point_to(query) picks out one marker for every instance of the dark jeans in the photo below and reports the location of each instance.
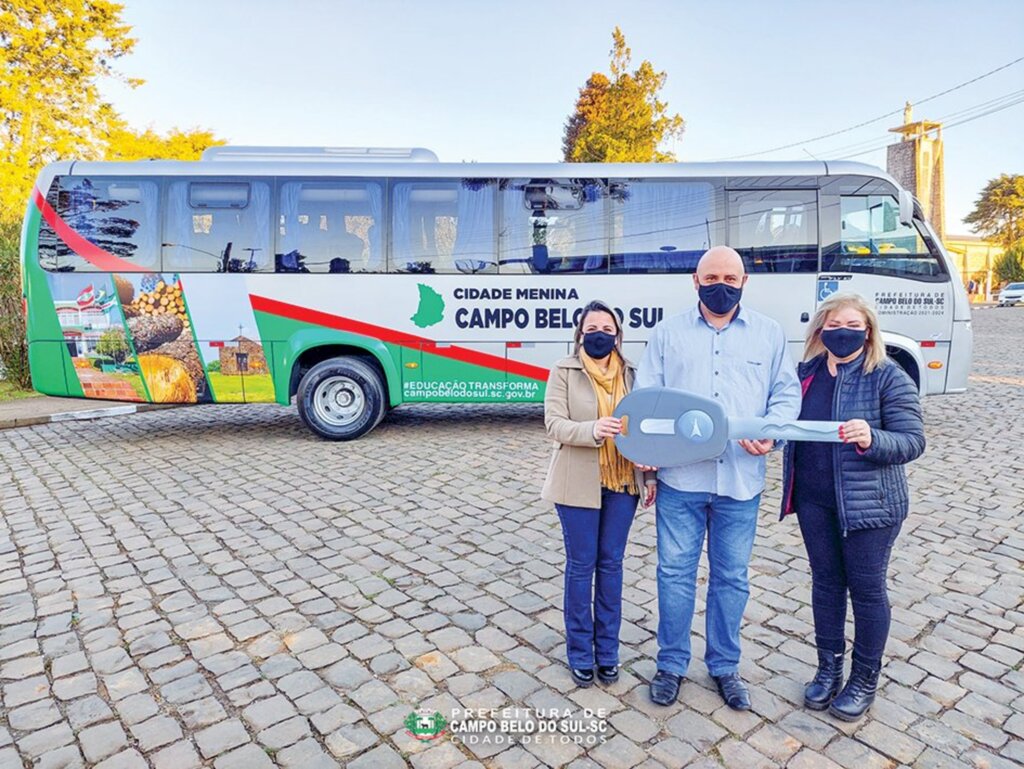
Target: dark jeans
(595, 543)
(853, 565)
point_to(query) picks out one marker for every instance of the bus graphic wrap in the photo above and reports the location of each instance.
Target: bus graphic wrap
(352, 288)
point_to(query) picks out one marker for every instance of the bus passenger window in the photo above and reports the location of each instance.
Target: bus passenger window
(872, 239)
(443, 227)
(217, 227)
(329, 227)
(553, 226)
(775, 230)
(118, 215)
(662, 226)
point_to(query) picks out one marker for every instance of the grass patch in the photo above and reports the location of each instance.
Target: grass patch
(8, 392)
(228, 389)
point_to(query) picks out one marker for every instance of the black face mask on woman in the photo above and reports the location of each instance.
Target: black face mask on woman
(720, 298)
(598, 344)
(843, 342)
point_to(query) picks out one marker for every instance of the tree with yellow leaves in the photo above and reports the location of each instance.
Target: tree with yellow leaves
(620, 119)
(126, 144)
(53, 56)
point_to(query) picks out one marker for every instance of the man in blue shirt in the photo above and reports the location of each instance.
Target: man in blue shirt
(738, 357)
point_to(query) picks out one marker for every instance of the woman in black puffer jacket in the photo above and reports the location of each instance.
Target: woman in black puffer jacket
(851, 498)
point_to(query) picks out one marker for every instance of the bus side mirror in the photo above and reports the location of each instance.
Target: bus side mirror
(906, 208)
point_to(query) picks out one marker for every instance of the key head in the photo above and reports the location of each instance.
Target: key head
(666, 427)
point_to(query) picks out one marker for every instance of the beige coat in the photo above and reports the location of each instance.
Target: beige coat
(570, 411)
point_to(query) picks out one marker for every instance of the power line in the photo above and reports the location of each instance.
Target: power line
(880, 117)
(997, 101)
(993, 110)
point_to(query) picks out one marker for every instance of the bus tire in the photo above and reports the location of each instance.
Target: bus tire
(341, 399)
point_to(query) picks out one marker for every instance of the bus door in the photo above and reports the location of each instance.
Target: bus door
(776, 232)
(898, 268)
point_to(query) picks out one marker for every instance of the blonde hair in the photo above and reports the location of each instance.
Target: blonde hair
(874, 347)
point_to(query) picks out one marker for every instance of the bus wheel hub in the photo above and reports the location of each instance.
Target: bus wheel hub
(339, 400)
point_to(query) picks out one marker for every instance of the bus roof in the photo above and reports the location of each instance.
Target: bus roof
(418, 168)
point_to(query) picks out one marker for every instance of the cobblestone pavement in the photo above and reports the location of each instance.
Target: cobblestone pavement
(213, 586)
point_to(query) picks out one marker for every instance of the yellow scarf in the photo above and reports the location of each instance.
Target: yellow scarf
(610, 388)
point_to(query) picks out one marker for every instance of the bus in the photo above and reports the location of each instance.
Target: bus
(350, 281)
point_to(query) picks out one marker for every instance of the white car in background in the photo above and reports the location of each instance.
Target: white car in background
(1012, 293)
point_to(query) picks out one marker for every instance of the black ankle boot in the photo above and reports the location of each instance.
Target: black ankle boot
(858, 694)
(820, 692)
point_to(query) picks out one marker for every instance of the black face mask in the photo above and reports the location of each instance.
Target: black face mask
(598, 344)
(843, 342)
(720, 298)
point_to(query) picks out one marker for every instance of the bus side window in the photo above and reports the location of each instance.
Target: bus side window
(775, 230)
(217, 226)
(554, 226)
(120, 216)
(329, 227)
(443, 226)
(871, 239)
(662, 226)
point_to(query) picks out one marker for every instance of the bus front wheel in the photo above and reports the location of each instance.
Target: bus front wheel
(341, 398)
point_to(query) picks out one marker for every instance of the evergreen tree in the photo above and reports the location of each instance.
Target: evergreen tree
(621, 119)
(999, 212)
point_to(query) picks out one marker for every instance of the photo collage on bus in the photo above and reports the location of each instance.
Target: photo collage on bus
(132, 336)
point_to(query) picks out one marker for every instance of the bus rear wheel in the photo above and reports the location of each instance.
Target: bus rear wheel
(341, 399)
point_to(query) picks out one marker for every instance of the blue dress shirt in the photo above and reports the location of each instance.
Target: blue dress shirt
(745, 367)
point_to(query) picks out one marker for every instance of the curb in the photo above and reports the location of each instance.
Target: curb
(72, 416)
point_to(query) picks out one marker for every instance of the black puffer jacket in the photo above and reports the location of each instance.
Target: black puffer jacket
(871, 486)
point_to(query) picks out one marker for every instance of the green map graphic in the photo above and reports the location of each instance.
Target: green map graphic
(431, 308)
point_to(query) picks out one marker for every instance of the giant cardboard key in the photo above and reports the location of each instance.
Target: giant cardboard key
(663, 427)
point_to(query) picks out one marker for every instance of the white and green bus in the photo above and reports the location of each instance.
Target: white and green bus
(356, 280)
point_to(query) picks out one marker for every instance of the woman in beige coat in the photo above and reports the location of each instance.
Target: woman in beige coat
(595, 489)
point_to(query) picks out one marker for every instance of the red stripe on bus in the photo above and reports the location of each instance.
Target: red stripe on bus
(402, 339)
(93, 254)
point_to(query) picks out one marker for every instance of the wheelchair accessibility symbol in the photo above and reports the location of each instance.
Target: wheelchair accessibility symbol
(826, 288)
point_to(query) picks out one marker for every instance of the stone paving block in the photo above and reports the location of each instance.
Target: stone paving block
(856, 755)
(136, 708)
(349, 740)
(45, 740)
(28, 690)
(68, 757)
(381, 757)
(124, 684)
(156, 732)
(37, 715)
(285, 733)
(126, 759)
(307, 754)
(246, 757)
(268, 712)
(442, 756)
(214, 740)
(74, 686)
(346, 675)
(101, 741)
(180, 755)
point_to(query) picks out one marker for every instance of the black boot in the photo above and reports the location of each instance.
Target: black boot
(820, 692)
(858, 694)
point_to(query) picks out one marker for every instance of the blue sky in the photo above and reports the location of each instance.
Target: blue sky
(494, 81)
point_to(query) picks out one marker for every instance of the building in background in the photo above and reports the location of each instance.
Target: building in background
(916, 162)
(974, 257)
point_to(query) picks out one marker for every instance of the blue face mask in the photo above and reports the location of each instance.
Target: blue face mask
(843, 342)
(598, 344)
(720, 298)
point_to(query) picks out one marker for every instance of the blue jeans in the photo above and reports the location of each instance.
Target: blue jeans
(854, 566)
(595, 543)
(683, 517)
